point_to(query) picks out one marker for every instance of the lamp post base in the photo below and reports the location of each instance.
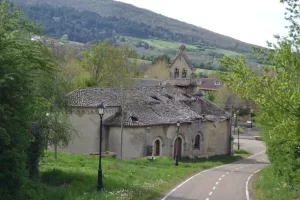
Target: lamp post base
(176, 160)
(100, 184)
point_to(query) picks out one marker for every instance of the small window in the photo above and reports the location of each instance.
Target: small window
(197, 142)
(217, 83)
(176, 75)
(169, 96)
(184, 73)
(134, 119)
(155, 97)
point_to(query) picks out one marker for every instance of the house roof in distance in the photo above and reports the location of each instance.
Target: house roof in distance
(209, 83)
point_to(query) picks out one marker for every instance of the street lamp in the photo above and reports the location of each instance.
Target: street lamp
(100, 108)
(176, 143)
(236, 116)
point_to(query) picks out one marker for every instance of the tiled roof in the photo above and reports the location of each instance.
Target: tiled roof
(110, 96)
(208, 83)
(143, 114)
(211, 111)
(146, 106)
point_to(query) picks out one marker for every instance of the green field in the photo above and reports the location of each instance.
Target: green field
(74, 177)
(170, 45)
(206, 72)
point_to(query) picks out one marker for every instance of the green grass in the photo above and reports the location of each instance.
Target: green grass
(241, 151)
(74, 177)
(267, 186)
(164, 45)
(205, 71)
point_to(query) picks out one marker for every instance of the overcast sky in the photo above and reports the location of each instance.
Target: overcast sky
(252, 21)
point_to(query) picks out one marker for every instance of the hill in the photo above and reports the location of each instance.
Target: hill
(183, 32)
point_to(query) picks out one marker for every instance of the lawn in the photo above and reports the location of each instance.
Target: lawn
(267, 186)
(74, 177)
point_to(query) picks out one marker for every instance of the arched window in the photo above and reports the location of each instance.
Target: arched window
(184, 73)
(157, 148)
(176, 74)
(197, 142)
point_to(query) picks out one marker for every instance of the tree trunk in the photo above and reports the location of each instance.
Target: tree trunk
(55, 151)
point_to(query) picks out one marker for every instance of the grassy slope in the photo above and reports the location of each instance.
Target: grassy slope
(161, 44)
(267, 186)
(75, 177)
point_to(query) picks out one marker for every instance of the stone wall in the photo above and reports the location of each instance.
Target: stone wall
(217, 138)
(214, 136)
(180, 64)
(136, 140)
(86, 121)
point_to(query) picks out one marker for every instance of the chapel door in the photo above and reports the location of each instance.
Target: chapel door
(157, 148)
(177, 147)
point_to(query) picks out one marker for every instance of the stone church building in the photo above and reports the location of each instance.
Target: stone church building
(149, 117)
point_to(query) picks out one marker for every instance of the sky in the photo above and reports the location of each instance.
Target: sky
(251, 21)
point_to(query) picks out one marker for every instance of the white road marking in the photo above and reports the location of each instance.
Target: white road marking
(214, 188)
(223, 176)
(247, 183)
(232, 170)
(217, 183)
(184, 182)
(207, 199)
(227, 172)
(210, 193)
(220, 179)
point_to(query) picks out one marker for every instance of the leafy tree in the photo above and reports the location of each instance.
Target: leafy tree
(164, 58)
(159, 70)
(20, 61)
(275, 89)
(64, 38)
(210, 96)
(96, 61)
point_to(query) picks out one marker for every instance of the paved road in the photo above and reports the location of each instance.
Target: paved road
(227, 182)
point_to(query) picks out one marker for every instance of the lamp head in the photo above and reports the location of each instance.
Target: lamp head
(101, 108)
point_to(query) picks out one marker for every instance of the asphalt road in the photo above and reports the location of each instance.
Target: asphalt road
(227, 182)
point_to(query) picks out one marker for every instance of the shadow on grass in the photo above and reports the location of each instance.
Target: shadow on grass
(131, 179)
(66, 185)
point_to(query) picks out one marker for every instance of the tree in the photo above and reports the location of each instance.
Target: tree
(162, 58)
(121, 73)
(64, 38)
(96, 61)
(210, 96)
(159, 70)
(21, 60)
(275, 89)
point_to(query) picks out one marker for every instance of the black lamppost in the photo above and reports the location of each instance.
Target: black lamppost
(100, 108)
(236, 116)
(234, 125)
(176, 143)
